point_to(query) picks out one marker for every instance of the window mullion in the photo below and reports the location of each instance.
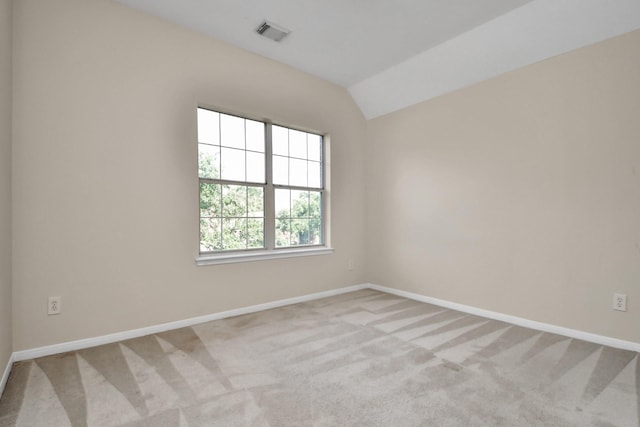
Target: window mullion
(269, 194)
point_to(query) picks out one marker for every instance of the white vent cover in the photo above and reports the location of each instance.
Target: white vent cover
(272, 31)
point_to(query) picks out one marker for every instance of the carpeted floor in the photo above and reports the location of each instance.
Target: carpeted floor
(360, 359)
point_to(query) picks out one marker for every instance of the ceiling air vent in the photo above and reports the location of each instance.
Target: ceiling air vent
(272, 31)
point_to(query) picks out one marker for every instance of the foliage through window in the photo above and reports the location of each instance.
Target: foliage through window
(235, 155)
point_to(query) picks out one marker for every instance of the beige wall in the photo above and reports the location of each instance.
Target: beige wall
(520, 194)
(105, 173)
(5, 182)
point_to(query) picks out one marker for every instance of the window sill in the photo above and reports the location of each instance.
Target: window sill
(229, 258)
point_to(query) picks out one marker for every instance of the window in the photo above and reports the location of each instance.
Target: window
(261, 189)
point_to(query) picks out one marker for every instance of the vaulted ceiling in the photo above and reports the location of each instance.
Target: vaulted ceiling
(393, 54)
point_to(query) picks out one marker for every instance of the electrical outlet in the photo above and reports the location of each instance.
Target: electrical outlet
(620, 302)
(350, 265)
(55, 305)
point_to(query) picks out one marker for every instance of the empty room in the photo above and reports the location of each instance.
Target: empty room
(319, 213)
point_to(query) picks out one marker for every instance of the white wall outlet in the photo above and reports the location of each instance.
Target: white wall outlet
(350, 265)
(55, 305)
(620, 302)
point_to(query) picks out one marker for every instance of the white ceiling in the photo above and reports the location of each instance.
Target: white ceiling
(392, 54)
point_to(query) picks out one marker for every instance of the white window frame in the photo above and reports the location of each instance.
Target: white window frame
(271, 251)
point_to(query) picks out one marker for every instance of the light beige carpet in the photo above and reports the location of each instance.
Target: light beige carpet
(360, 359)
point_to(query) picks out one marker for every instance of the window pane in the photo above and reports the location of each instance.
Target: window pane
(208, 126)
(280, 143)
(298, 172)
(315, 215)
(208, 161)
(315, 205)
(234, 201)
(283, 203)
(255, 233)
(210, 235)
(315, 175)
(283, 233)
(280, 168)
(297, 144)
(231, 131)
(255, 202)
(315, 232)
(210, 200)
(299, 204)
(315, 147)
(255, 167)
(234, 233)
(255, 135)
(233, 164)
(299, 232)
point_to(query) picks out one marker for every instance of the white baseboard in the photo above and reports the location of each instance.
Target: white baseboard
(135, 333)
(519, 321)
(7, 370)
